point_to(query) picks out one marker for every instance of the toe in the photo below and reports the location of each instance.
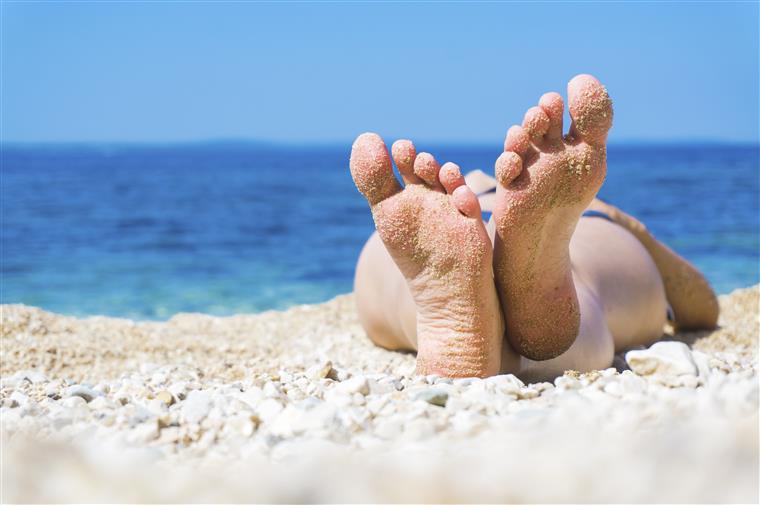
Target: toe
(554, 108)
(450, 177)
(371, 168)
(591, 109)
(517, 140)
(466, 202)
(508, 167)
(535, 123)
(404, 153)
(427, 168)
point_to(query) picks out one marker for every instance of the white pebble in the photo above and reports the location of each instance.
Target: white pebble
(196, 407)
(358, 384)
(663, 358)
(81, 391)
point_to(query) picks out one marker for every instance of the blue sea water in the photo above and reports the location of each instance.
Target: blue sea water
(145, 231)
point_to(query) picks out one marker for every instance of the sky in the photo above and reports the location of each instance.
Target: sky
(325, 72)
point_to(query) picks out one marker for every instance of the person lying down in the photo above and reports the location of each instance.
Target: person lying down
(555, 280)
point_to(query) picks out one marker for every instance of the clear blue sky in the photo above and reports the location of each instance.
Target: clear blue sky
(326, 72)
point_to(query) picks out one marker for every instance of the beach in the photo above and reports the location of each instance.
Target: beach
(299, 405)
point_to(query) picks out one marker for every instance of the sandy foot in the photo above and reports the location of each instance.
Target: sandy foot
(433, 231)
(545, 183)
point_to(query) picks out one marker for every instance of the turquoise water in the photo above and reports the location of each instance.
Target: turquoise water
(223, 228)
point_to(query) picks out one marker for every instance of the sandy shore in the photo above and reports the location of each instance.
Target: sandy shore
(299, 406)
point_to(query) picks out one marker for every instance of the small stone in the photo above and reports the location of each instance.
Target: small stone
(268, 409)
(99, 403)
(392, 382)
(375, 405)
(18, 399)
(632, 383)
(170, 434)
(319, 371)
(506, 383)
(663, 358)
(144, 432)
(102, 388)
(271, 390)
(53, 391)
(543, 386)
(467, 381)
(528, 393)
(81, 391)
(433, 397)
(34, 376)
(702, 361)
(240, 425)
(146, 368)
(178, 390)
(165, 397)
(196, 407)
(158, 378)
(566, 382)
(613, 388)
(609, 372)
(337, 375)
(432, 378)
(358, 384)
(73, 402)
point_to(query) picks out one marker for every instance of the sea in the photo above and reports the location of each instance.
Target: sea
(146, 231)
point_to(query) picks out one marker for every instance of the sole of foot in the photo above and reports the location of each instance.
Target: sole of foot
(545, 182)
(433, 230)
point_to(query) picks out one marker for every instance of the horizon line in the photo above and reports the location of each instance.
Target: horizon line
(334, 143)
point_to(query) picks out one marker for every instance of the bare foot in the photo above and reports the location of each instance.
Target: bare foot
(545, 183)
(433, 231)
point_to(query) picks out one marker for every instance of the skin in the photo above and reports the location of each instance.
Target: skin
(693, 301)
(571, 291)
(432, 232)
(545, 182)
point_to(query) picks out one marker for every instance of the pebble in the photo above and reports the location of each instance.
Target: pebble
(319, 371)
(53, 390)
(165, 397)
(566, 382)
(18, 399)
(506, 383)
(178, 389)
(268, 409)
(663, 358)
(144, 432)
(433, 397)
(102, 388)
(74, 402)
(358, 384)
(196, 407)
(83, 392)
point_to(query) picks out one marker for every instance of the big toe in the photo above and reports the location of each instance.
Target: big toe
(371, 168)
(591, 109)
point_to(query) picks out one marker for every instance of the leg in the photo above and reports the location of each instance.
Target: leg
(693, 301)
(433, 233)
(386, 309)
(620, 296)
